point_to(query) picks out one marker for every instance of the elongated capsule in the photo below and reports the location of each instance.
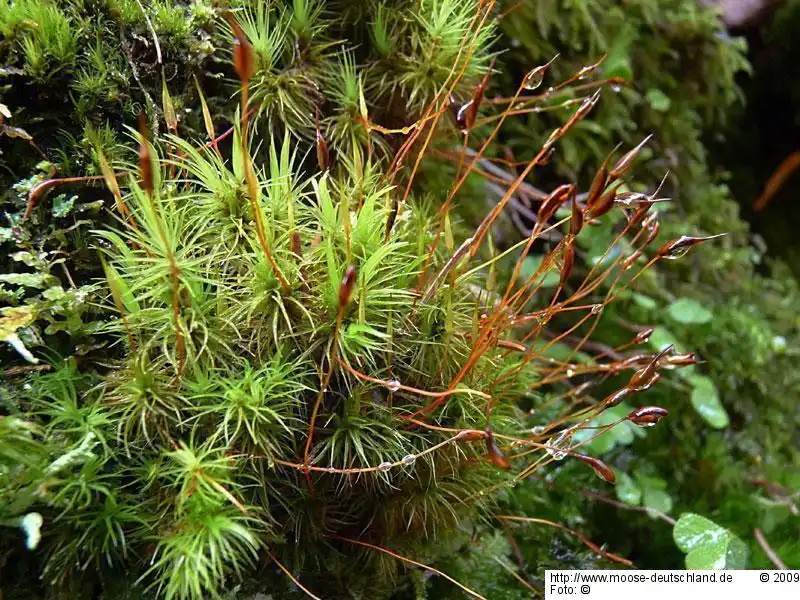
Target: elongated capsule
(243, 56)
(639, 214)
(38, 191)
(551, 204)
(647, 416)
(470, 435)
(617, 397)
(680, 360)
(627, 159)
(598, 183)
(477, 98)
(678, 248)
(145, 159)
(630, 260)
(295, 245)
(495, 454)
(566, 265)
(509, 345)
(576, 219)
(346, 287)
(601, 469)
(603, 204)
(643, 335)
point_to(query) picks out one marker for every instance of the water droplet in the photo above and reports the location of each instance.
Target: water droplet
(393, 385)
(385, 466)
(616, 88)
(570, 373)
(677, 253)
(643, 380)
(597, 309)
(534, 78)
(409, 459)
(538, 430)
(558, 446)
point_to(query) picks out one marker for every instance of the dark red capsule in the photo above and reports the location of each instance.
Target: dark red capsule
(680, 360)
(627, 159)
(643, 335)
(346, 287)
(600, 468)
(603, 204)
(566, 265)
(553, 201)
(295, 245)
(243, 56)
(477, 98)
(145, 159)
(497, 457)
(617, 397)
(470, 435)
(598, 183)
(576, 220)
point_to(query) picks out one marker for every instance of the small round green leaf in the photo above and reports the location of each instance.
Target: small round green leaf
(658, 100)
(645, 302)
(689, 312)
(661, 338)
(707, 545)
(627, 490)
(705, 400)
(657, 499)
